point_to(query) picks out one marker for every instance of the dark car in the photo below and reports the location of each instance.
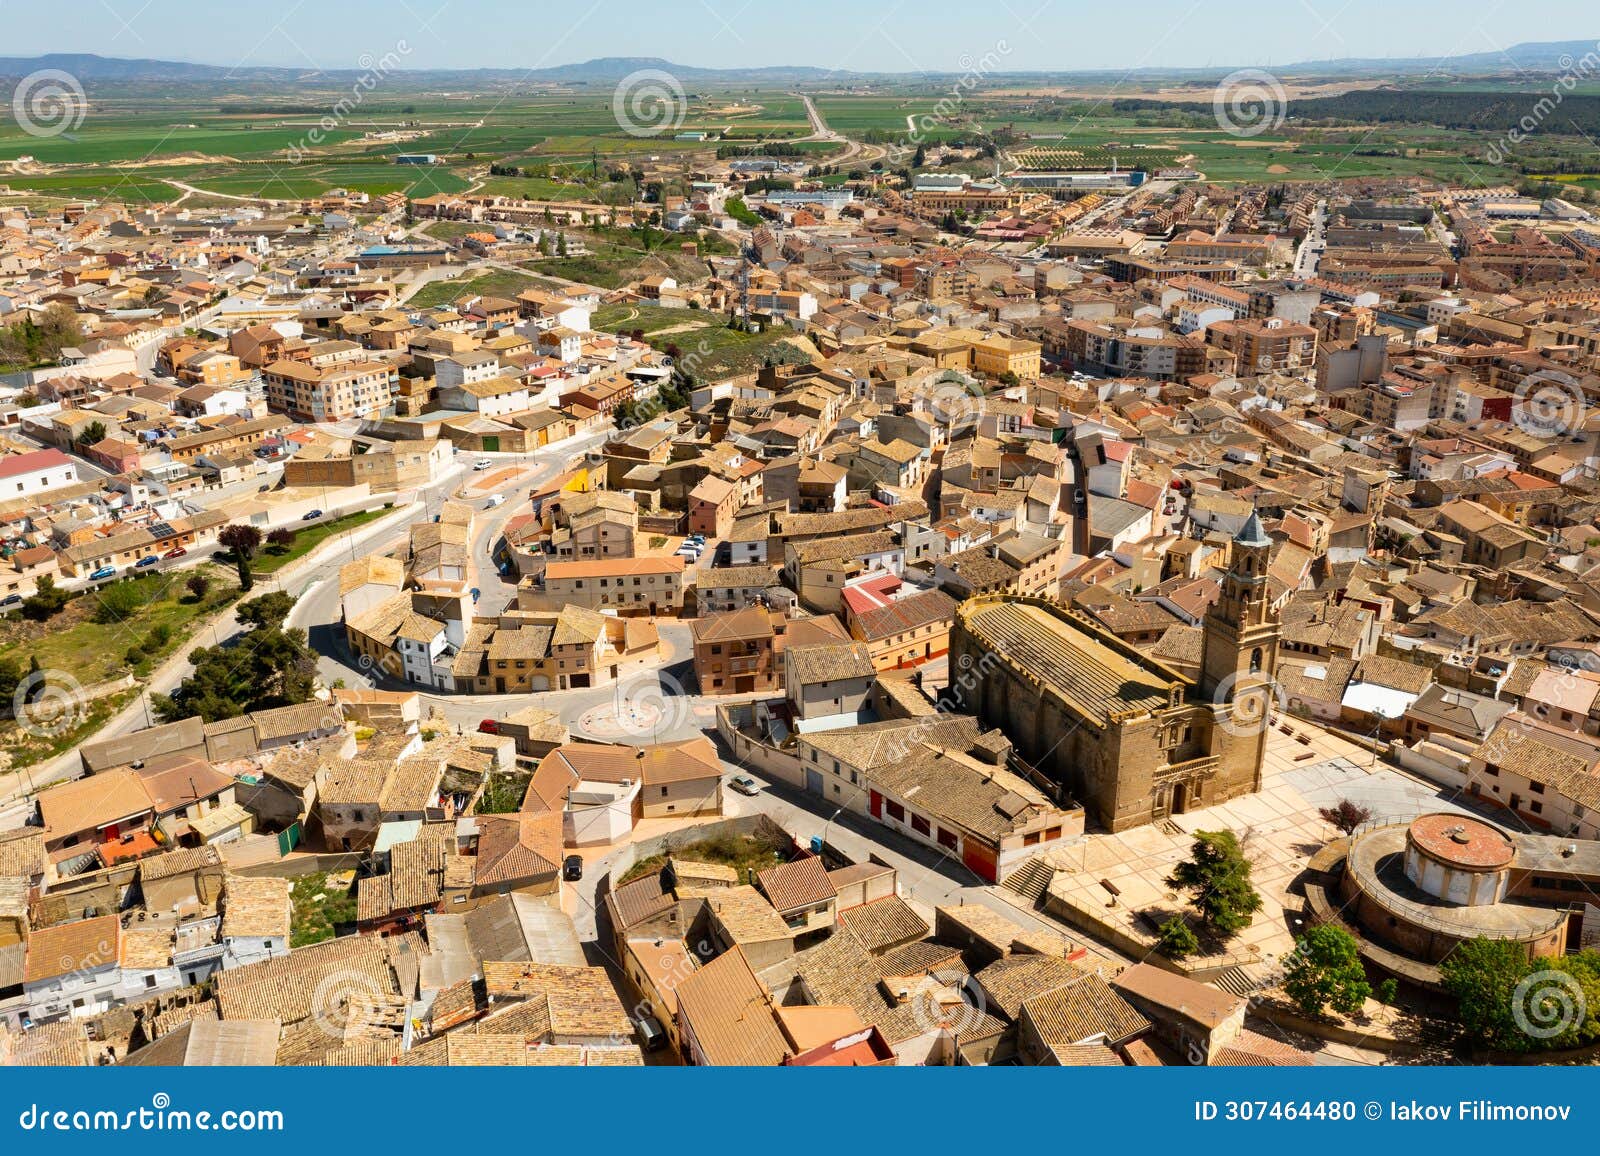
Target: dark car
(147, 560)
(10, 600)
(572, 868)
(310, 515)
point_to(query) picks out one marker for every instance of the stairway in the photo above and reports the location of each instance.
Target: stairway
(1031, 880)
(1243, 980)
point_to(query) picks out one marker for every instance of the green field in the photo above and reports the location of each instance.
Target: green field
(137, 146)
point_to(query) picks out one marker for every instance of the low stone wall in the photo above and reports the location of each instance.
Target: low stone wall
(751, 752)
(660, 844)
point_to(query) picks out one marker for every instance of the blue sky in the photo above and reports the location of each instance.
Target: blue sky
(884, 35)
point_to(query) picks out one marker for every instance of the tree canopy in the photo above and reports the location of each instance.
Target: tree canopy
(1218, 877)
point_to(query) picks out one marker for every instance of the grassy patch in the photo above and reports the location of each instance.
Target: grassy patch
(92, 651)
(495, 283)
(502, 794)
(744, 853)
(706, 347)
(319, 910)
(271, 559)
(27, 749)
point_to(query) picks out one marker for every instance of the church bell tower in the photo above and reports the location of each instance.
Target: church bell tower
(1240, 634)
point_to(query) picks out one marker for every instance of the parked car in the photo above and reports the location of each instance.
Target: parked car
(103, 573)
(175, 552)
(310, 515)
(572, 868)
(10, 600)
(651, 1035)
(494, 500)
(745, 785)
(482, 464)
(147, 560)
(489, 726)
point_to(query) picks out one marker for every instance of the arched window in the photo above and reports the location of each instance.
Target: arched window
(1255, 660)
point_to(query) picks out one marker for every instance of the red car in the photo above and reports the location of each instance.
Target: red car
(489, 726)
(175, 552)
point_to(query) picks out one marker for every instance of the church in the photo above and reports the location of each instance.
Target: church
(1130, 738)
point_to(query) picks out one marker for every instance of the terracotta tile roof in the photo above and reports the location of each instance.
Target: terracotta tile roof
(254, 906)
(883, 923)
(800, 884)
(729, 1014)
(86, 945)
(87, 803)
(1085, 1010)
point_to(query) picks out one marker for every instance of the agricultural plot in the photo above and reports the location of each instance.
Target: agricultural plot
(1094, 158)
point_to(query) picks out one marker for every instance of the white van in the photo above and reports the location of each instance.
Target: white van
(494, 500)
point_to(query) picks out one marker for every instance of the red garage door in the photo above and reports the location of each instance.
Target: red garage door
(877, 805)
(980, 858)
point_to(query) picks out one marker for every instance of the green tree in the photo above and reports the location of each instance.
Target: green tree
(94, 432)
(1388, 991)
(1483, 975)
(247, 580)
(10, 679)
(120, 601)
(1218, 877)
(1176, 940)
(267, 612)
(47, 600)
(270, 666)
(1324, 971)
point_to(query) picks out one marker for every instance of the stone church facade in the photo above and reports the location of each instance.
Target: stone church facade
(1131, 738)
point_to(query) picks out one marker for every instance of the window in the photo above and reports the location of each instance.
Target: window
(1030, 839)
(1536, 788)
(663, 792)
(149, 981)
(947, 838)
(918, 824)
(896, 812)
(1536, 807)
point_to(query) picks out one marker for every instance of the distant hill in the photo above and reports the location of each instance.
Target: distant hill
(90, 68)
(1536, 57)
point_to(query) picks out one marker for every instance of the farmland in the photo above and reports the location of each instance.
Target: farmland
(561, 144)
